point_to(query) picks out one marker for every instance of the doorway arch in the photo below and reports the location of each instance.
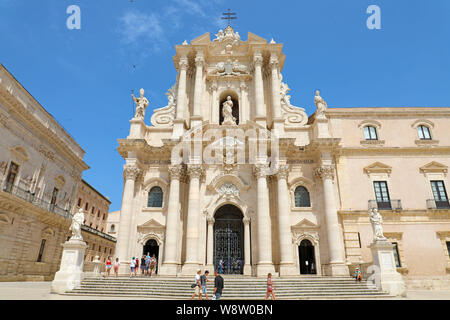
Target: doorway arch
(151, 248)
(307, 257)
(235, 99)
(229, 240)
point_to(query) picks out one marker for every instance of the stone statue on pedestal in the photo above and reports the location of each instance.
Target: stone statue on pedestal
(141, 104)
(376, 220)
(227, 112)
(77, 222)
(320, 103)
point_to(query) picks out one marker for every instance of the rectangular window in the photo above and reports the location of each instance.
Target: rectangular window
(396, 255)
(370, 133)
(92, 210)
(41, 250)
(79, 202)
(448, 248)
(86, 206)
(424, 133)
(382, 195)
(440, 194)
(359, 239)
(11, 177)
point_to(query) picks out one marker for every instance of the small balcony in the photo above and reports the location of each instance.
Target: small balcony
(433, 204)
(31, 198)
(385, 205)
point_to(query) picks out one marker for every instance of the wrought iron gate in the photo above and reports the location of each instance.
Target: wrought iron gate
(228, 246)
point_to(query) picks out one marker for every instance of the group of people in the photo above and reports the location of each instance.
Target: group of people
(201, 281)
(200, 286)
(109, 264)
(147, 265)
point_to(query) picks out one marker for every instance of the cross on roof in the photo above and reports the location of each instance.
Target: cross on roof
(229, 16)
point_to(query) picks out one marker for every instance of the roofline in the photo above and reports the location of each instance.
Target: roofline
(101, 195)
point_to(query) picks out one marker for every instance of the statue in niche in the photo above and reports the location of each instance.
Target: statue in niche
(141, 104)
(227, 112)
(320, 103)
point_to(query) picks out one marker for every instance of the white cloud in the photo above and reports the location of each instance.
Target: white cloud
(138, 25)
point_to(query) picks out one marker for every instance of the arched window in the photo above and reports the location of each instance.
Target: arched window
(301, 196)
(155, 198)
(424, 132)
(112, 228)
(370, 133)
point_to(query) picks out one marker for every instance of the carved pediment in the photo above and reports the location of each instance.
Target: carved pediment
(253, 38)
(204, 39)
(434, 167)
(377, 167)
(20, 152)
(304, 224)
(151, 224)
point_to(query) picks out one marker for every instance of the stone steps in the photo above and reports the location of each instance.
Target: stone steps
(236, 288)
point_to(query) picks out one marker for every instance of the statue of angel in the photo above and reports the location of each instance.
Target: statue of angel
(227, 112)
(320, 103)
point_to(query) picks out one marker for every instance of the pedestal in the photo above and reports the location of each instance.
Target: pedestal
(169, 269)
(385, 273)
(264, 268)
(288, 270)
(70, 273)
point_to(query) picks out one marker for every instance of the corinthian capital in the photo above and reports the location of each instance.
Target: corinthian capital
(175, 172)
(199, 59)
(184, 63)
(324, 172)
(131, 172)
(194, 171)
(283, 171)
(260, 170)
(274, 63)
(258, 59)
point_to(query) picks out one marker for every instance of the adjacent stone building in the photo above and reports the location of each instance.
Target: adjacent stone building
(96, 207)
(40, 170)
(231, 172)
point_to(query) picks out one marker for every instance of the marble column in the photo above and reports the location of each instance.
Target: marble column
(214, 107)
(247, 248)
(179, 121)
(337, 266)
(196, 118)
(277, 119)
(263, 223)
(260, 117)
(192, 233)
(210, 245)
(130, 173)
(243, 112)
(170, 265)
(287, 266)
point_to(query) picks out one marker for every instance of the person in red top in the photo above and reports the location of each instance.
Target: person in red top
(108, 266)
(269, 287)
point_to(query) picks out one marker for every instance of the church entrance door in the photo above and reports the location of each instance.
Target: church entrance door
(307, 257)
(151, 248)
(229, 240)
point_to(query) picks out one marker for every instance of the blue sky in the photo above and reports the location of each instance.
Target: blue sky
(84, 77)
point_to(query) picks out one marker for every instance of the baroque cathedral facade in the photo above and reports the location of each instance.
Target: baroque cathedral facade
(231, 175)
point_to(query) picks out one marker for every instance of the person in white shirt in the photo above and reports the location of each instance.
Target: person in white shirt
(132, 266)
(198, 286)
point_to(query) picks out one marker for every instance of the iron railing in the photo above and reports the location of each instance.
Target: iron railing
(99, 233)
(433, 204)
(39, 202)
(385, 205)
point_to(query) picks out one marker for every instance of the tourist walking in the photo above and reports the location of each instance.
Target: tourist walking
(147, 264)
(203, 280)
(116, 267)
(197, 286)
(153, 264)
(270, 287)
(358, 276)
(132, 266)
(143, 265)
(108, 266)
(220, 266)
(136, 266)
(218, 285)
